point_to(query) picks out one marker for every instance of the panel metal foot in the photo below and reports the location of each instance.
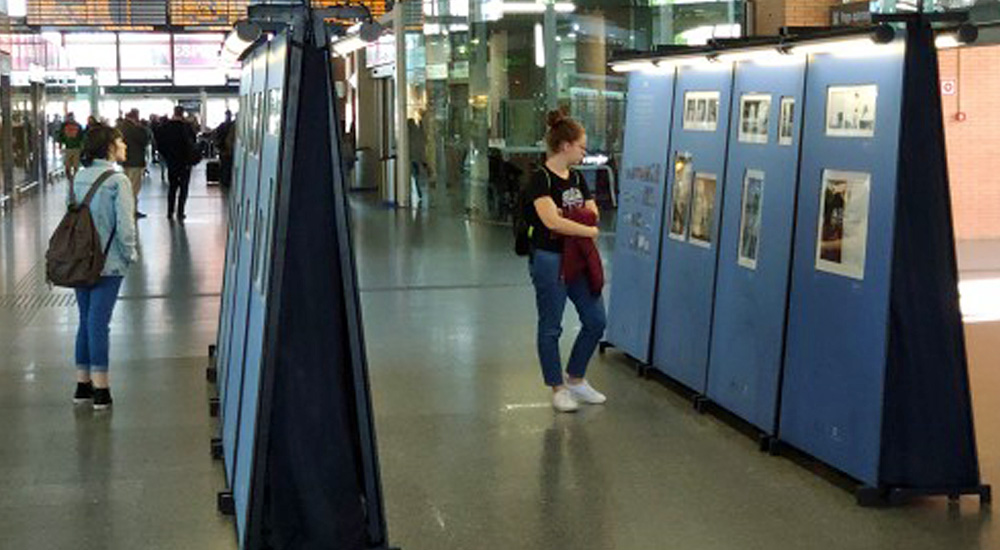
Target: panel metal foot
(642, 369)
(211, 374)
(871, 497)
(765, 442)
(213, 407)
(211, 351)
(216, 448)
(225, 503)
(701, 403)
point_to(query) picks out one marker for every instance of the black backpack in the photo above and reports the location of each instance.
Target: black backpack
(75, 257)
(522, 213)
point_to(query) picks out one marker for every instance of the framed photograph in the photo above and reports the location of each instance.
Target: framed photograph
(786, 121)
(755, 112)
(680, 201)
(703, 209)
(753, 194)
(842, 234)
(850, 111)
(701, 111)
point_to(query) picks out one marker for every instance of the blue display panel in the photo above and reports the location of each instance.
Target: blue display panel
(232, 242)
(755, 241)
(835, 355)
(642, 179)
(243, 275)
(690, 233)
(270, 151)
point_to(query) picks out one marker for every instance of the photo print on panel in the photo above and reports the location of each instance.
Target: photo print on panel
(753, 195)
(755, 110)
(680, 200)
(850, 111)
(701, 111)
(786, 122)
(703, 209)
(842, 234)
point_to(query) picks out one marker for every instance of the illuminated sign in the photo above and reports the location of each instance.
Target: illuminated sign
(97, 13)
(377, 7)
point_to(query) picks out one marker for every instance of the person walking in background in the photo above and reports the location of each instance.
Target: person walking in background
(176, 141)
(71, 138)
(137, 139)
(222, 137)
(553, 191)
(112, 208)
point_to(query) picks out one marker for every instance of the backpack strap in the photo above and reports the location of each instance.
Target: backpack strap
(93, 188)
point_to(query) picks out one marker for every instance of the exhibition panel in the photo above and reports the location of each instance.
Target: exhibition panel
(876, 380)
(686, 280)
(836, 326)
(232, 240)
(755, 239)
(299, 438)
(642, 180)
(244, 263)
(838, 307)
(272, 121)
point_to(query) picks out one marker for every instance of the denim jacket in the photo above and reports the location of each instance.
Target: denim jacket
(112, 208)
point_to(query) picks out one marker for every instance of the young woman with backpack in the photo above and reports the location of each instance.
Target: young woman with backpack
(552, 191)
(112, 208)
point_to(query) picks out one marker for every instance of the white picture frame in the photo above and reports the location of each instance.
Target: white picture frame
(701, 111)
(755, 115)
(842, 228)
(850, 111)
(786, 121)
(750, 219)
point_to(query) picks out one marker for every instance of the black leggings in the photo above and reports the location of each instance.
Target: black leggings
(180, 178)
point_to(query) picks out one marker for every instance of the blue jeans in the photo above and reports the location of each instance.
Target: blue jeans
(550, 297)
(96, 305)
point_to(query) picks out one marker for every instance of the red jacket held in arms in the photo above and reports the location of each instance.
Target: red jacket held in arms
(580, 255)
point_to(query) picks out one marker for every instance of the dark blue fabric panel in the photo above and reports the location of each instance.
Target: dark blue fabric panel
(751, 296)
(310, 494)
(641, 178)
(256, 329)
(241, 297)
(836, 341)
(928, 435)
(687, 271)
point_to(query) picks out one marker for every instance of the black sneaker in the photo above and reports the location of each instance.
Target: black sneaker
(84, 392)
(102, 399)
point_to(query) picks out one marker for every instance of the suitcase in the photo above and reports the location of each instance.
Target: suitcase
(213, 172)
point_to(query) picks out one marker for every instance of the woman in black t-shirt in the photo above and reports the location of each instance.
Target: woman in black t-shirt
(555, 189)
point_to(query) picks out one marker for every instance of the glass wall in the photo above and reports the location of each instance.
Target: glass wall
(481, 74)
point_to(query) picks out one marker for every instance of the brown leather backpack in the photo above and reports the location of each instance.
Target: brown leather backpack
(75, 257)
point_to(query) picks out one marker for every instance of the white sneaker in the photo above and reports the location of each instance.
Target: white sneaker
(563, 401)
(584, 393)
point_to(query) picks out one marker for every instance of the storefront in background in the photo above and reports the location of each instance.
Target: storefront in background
(481, 74)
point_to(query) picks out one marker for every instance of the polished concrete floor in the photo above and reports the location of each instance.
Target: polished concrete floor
(472, 456)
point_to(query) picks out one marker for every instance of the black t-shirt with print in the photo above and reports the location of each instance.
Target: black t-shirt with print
(567, 194)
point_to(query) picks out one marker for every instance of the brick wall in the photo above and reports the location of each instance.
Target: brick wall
(973, 144)
(771, 15)
(809, 13)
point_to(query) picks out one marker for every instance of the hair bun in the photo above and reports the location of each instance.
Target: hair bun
(555, 117)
